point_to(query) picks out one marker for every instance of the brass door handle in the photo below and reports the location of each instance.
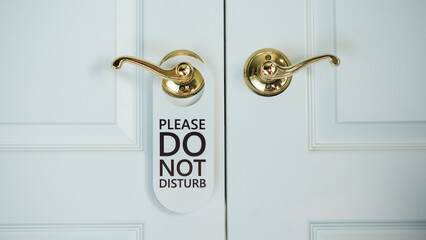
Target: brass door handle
(268, 72)
(182, 81)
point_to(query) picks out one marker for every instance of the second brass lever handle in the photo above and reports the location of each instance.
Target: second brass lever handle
(268, 72)
(273, 71)
(181, 81)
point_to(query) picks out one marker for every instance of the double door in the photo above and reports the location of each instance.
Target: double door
(340, 154)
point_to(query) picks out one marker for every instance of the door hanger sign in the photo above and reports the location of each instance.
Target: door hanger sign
(183, 143)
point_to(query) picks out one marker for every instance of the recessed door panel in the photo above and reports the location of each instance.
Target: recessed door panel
(374, 99)
(57, 89)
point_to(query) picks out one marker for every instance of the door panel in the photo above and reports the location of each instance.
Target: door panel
(76, 136)
(361, 185)
(367, 103)
(72, 231)
(56, 91)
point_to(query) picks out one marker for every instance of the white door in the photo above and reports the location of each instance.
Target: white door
(76, 136)
(341, 153)
(338, 155)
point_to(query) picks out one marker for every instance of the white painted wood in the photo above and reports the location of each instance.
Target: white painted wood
(368, 230)
(392, 72)
(73, 232)
(279, 186)
(376, 109)
(57, 90)
(79, 147)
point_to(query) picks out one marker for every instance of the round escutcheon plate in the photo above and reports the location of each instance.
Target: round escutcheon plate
(183, 90)
(256, 81)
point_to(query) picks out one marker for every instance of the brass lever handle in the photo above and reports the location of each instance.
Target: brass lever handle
(273, 71)
(268, 72)
(182, 81)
